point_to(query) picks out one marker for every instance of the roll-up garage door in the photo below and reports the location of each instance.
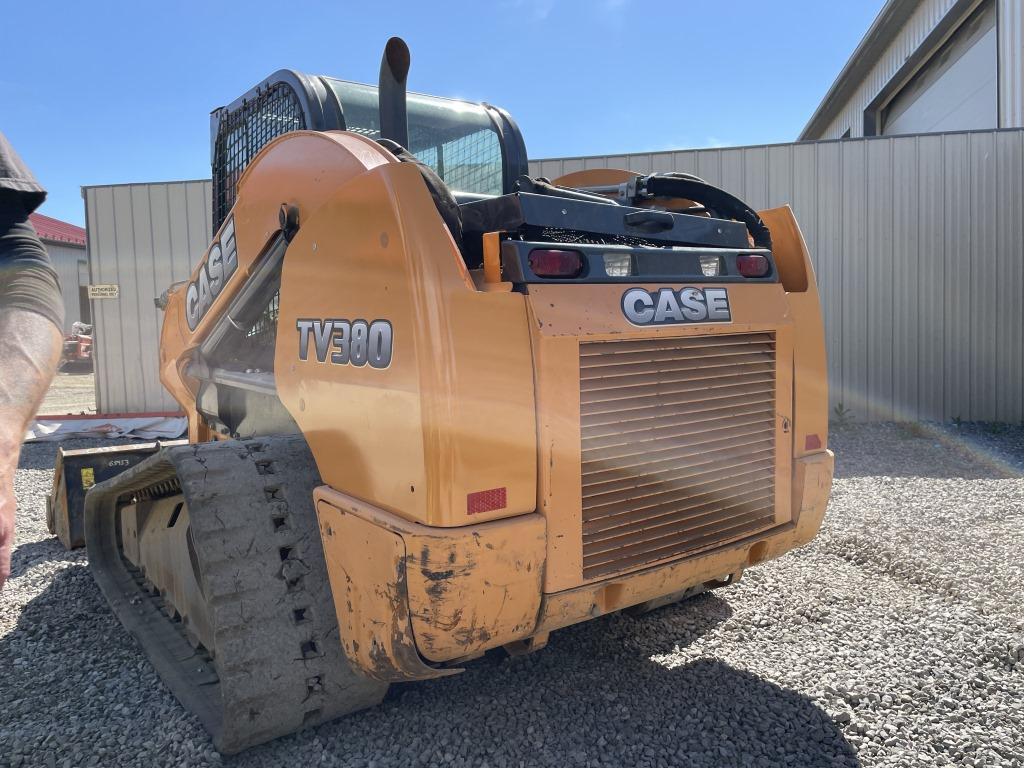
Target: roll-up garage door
(957, 89)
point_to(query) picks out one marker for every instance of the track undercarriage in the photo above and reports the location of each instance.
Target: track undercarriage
(222, 539)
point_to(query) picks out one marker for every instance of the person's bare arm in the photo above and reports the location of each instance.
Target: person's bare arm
(29, 352)
(31, 319)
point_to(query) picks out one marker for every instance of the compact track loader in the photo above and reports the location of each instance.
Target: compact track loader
(437, 406)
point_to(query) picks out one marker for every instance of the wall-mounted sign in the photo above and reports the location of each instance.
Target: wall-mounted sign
(103, 291)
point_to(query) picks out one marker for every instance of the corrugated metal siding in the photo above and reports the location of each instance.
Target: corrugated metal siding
(66, 261)
(1011, 63)
(916, 243)
(143, 237)
(926, 18)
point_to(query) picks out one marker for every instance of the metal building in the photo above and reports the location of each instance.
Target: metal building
(916, 238)
(916, 242)
(917, 246)
(928, 66)
(65, 244)
(142, 238)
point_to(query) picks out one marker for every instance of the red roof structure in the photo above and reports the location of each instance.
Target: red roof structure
(57, 231)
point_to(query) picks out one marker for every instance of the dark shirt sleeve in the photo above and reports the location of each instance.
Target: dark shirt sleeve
(16, 178)
(27, 279)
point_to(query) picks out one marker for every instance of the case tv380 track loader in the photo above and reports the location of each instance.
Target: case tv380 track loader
(438, 407)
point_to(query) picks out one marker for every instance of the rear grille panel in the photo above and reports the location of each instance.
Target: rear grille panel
(677, 446)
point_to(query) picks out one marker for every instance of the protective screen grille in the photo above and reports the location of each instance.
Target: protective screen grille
(243, 133)
(678, 446)
(254, 348)
(470, 163)
(560, 235)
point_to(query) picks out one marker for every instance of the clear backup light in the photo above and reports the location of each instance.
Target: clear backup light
(618, 264)
(710, 265)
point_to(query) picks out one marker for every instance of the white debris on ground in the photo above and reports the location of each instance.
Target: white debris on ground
(895, 639)
(61, 430)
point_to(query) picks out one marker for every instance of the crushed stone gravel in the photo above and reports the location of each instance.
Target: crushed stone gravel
(70, 392)
(895, 639)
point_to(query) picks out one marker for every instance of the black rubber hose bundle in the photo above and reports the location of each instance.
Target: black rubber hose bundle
(719, 203)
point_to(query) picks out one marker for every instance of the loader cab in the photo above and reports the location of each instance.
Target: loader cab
(476, 149)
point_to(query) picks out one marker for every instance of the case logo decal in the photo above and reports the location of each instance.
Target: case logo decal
(214, 272)
(346, 343)
(667, 306)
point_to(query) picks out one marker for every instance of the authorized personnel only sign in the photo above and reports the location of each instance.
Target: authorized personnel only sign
(103, 291)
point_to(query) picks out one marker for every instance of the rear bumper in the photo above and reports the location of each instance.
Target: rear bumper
(410, 597)
(812, 482)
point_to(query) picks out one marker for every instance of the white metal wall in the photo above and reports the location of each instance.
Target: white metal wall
(143, 237)
(957, 91)
(918, 246)
(1011, 62)
(67, 261)
(926, 17)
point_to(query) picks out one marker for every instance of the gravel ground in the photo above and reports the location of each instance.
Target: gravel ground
(70, 393)
(896, 638)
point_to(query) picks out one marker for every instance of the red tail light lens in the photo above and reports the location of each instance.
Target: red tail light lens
(752, 265)
(556, 263)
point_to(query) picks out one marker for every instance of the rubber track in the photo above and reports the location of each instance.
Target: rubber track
(277, 662)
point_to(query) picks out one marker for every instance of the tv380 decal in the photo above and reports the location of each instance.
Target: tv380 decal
(344, 342)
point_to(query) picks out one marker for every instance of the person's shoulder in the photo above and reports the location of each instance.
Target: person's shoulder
(17, 179)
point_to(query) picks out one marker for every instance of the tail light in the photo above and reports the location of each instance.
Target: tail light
(752, 265)
(547, 262)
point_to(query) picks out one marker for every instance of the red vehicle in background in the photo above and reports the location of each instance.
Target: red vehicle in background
(76, 356)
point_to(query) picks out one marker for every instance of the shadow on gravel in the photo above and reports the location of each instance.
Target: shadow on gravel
(38, 456)
(42, 657)
(928, 450)
(73, 683)
(616, 691)
(732, 716)
(35, 552)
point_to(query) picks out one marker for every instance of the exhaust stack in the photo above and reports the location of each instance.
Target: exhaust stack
(394, 68)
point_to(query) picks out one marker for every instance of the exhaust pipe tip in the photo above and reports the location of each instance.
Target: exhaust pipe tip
(397, 58)
(394, 69)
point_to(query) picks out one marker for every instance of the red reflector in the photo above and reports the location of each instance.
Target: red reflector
(552, 263)
(486, 501)
(752, 265)
(812, 443)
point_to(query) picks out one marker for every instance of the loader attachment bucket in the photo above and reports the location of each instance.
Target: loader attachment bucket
(79, 470)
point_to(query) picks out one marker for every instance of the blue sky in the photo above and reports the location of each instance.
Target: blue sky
(103, 92)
